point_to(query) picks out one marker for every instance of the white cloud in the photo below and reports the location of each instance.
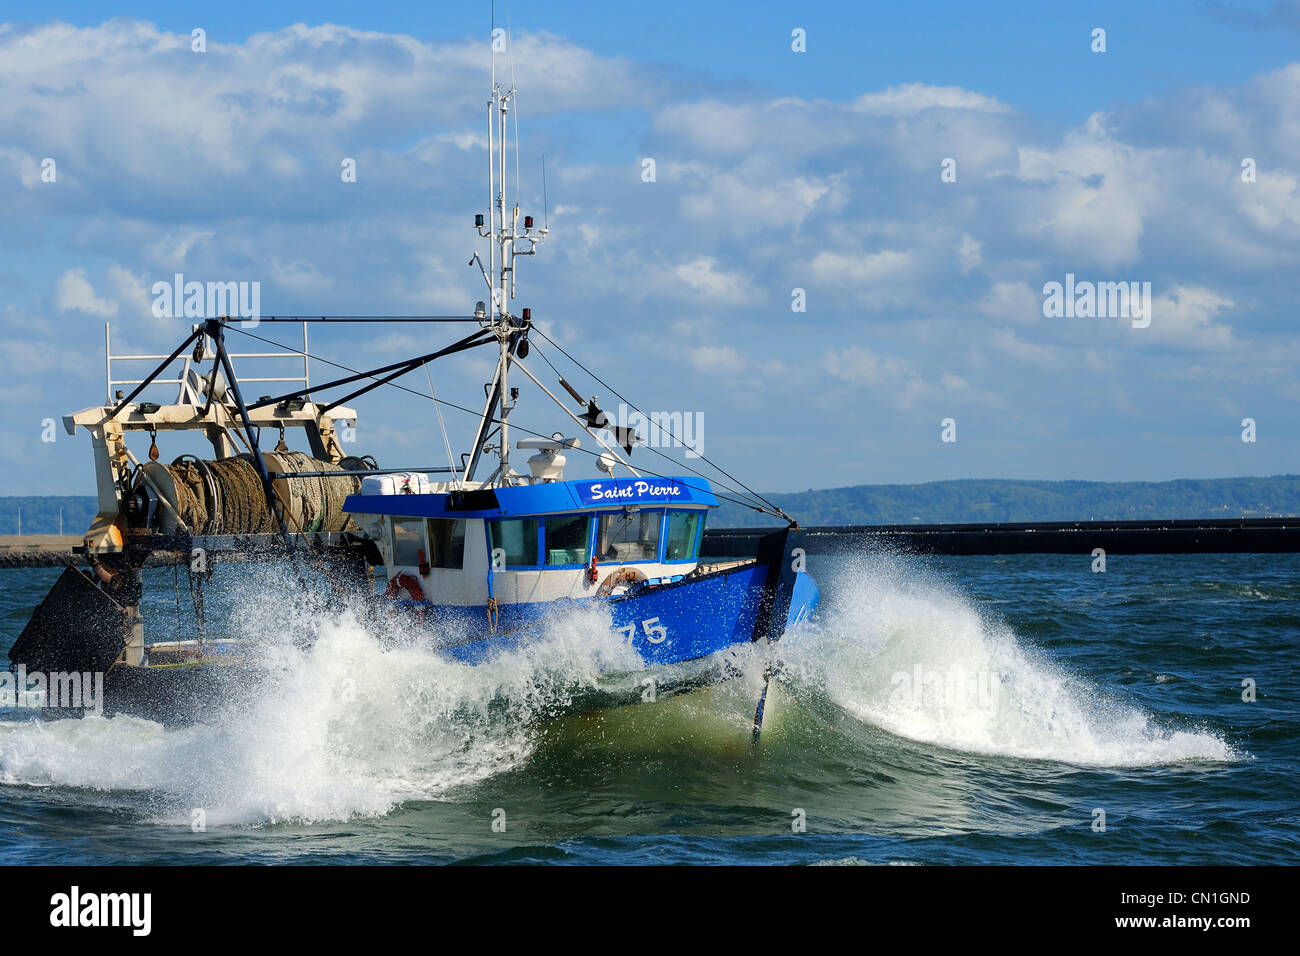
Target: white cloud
(173, 249)
(1184, 318)
(704, 276)
(1272, 203)
(1012, 301)
(898, 384)
(912, 98)
(863, 269)
(1098, 191)
(968, 254)
(299, 276)
(227, 167)
(73, 292)
(27, 168)
(720, 359)
(132, 292)
(1006, 340)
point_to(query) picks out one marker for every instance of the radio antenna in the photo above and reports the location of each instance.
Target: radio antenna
(510, 52)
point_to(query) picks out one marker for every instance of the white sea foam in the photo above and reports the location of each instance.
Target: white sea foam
(890, 623)
(351, 728)
(357, 726)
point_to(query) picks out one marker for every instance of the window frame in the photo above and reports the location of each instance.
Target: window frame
(695, 545)
(428, 541)
(538, 557)
(656, 558)
(592, 527)
(423, 540)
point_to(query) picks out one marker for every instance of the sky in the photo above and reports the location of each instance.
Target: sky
(916, 176)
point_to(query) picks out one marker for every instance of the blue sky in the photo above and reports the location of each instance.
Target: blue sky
(776, 170)
(1021, 52)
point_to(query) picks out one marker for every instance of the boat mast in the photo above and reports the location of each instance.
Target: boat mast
(502, 318)
(503, 234)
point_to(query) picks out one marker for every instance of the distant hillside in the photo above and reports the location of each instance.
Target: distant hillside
(937, 502)
(972, 500)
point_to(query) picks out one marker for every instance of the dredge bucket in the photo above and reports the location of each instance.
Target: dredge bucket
(78, 627)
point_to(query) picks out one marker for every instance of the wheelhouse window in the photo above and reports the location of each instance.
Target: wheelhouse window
(408, 541)
(566, 539)
(446, 543)
(683, 539)
(516, 537)
(623, 537)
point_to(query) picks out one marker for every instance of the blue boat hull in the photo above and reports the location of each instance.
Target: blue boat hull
(666, 624)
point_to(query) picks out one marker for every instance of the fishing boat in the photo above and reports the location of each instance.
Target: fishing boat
(477, 566)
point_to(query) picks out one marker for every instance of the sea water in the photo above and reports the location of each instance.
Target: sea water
(944, 710)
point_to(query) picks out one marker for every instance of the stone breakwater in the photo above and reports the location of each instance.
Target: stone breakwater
(39, 550)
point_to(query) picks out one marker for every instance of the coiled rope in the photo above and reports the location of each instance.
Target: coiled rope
(225, 496)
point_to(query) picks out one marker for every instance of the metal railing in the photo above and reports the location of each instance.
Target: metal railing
(110, 358)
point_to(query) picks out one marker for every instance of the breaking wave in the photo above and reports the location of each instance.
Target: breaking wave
(351, 728)
(356, 726)
(915, 657)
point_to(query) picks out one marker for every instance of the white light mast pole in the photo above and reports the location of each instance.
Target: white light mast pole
(502, 236)
(506, 242)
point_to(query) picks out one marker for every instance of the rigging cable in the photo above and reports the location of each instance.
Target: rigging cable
(703, 457)
(437, 407)
(682, 464)
(770, 509)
